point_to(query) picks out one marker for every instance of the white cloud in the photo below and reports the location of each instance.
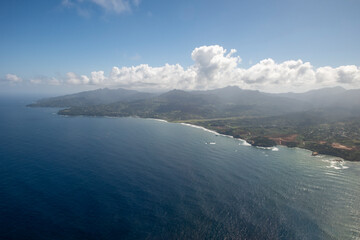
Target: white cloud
(215, 67)
(157, 77)
(13, 78)
(72, 78)
(348, 74)
(96, 78)
(117, 6)
(344, 75)
(113, 6)
(291, 75)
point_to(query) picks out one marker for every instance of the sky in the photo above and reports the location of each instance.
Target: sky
(62, 46)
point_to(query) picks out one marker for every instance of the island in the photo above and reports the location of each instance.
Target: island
(324, 121)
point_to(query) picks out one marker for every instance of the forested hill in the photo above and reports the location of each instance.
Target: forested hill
(89, 98)
(328, 97)
(180, 105)
(218, 103)
(230, 101)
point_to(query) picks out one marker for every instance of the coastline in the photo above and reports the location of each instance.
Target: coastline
(274, 148)
(245, 142)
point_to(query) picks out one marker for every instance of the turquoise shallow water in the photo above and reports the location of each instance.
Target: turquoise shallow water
(129, 178)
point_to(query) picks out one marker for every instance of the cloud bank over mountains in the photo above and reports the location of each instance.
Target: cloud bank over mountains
(215, 67)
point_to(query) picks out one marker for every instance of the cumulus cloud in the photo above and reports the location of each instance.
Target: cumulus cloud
(215, 67)
(96, 78)
(267, 74)
(13, 78)
(157, 77)
(72, 78)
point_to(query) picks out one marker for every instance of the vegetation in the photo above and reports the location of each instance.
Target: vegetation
(304, 130)
(323, 123)
(262, 141)
(90, 98)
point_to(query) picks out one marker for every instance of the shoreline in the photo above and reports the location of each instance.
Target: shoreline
(274, 148)
(246, 143)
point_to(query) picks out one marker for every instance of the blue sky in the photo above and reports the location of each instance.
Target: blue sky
(42, 40)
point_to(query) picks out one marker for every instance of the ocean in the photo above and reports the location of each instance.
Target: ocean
(131, 178)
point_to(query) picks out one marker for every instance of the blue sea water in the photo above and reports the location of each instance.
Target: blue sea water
(129, 178)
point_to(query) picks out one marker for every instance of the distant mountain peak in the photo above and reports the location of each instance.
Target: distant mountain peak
(175, 92)
(329, 89)
(231, 87)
